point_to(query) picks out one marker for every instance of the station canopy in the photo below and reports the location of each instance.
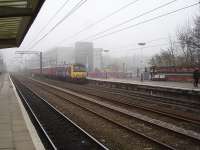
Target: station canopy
(16, 17)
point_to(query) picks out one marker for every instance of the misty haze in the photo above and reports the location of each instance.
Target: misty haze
(99, 74)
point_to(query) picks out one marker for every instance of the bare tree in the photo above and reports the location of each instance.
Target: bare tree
(186, 53)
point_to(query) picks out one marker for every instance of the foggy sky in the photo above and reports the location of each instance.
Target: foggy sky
(120, 44)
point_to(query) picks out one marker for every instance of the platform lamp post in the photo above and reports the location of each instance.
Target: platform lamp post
(142, 44)
(105, 51)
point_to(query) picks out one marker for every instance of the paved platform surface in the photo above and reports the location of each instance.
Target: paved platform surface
(164, 84)
(14, 134)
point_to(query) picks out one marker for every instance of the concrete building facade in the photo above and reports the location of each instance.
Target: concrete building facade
(84, 54)
(58, 56)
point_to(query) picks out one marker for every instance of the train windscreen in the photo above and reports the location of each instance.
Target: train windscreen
(79, 68)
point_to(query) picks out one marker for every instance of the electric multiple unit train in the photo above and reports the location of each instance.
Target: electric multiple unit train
(70, 72)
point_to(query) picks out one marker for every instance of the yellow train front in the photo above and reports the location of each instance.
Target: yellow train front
(70, 72)
(76, 72)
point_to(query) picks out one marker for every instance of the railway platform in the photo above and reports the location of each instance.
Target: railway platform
(162, 84)
(16, 129)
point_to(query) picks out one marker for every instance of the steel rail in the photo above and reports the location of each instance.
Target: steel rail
(82, 130)
(90, 100)
(140, 96)
(114, 122)
(147, 108)
(161, 99)
(34, 115)
(119, 111)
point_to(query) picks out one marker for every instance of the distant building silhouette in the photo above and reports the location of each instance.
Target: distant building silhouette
(59, 56)
(84, 54)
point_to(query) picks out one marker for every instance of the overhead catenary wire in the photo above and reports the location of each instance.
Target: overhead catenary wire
(49, 21)
(132, 19)
(149, 41)
(146, 47)
(129, 20)
(158, 39)
(101, 20)
(146, 21)
(151, 46)
(74, 9)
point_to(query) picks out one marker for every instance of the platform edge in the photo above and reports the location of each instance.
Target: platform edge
(32, 131)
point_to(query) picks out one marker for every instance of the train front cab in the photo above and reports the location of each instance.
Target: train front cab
(77, 73)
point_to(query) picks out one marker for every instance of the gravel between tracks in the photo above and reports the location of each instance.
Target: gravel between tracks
(183, 124)
(108, 133)
(181, 144)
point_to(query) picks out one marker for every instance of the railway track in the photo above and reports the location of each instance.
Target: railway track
(181, 95)
(171, 140)
(177, 103)
(195, 105)
(55, 129)
(149, 97)
(144, 102)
